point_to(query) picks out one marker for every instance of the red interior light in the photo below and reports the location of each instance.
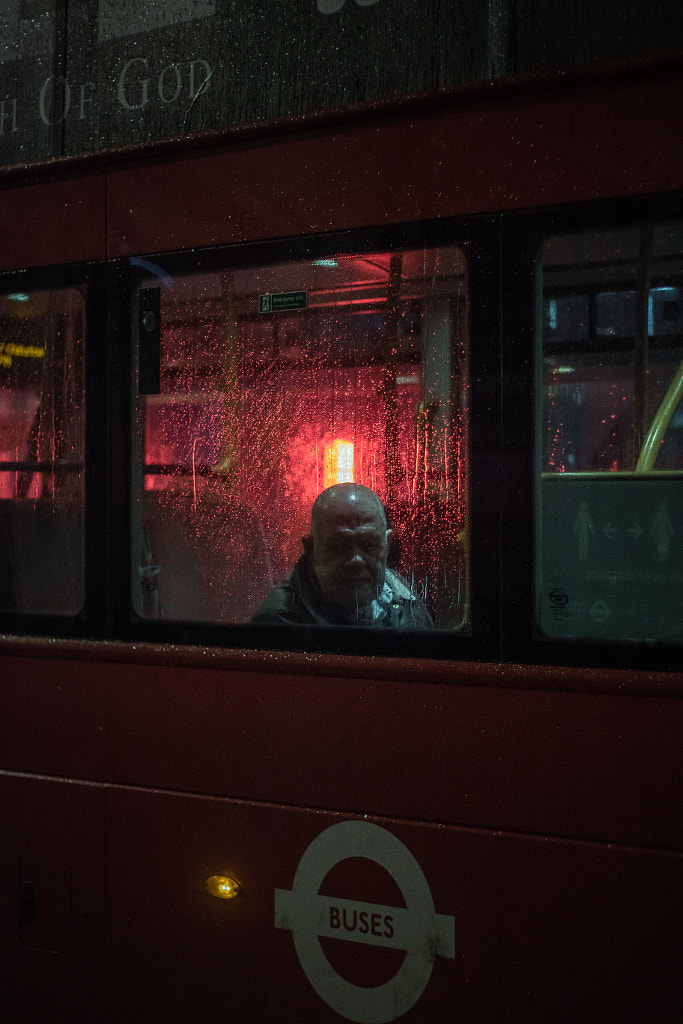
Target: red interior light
(339, 463)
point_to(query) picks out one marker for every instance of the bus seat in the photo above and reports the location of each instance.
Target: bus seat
(203, 558)
(429, 551)
(42, 556)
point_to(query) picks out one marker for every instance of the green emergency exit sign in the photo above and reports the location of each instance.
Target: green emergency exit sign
(282, 302)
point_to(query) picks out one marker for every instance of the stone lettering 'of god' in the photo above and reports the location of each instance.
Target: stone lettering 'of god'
(171, 84)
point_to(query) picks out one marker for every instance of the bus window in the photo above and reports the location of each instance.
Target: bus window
(276, 382)
(42, 442)
(609, 518)
(669, 448)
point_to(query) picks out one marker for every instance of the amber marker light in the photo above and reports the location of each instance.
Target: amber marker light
(222, 887)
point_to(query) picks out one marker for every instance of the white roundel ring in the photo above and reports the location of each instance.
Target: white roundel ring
(416, 928)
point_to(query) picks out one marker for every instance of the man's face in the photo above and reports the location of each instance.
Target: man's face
(348, 550)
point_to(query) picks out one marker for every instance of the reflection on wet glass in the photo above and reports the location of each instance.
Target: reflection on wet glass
(612, 339)
(42, 444)
(610, 436)
(277, 382)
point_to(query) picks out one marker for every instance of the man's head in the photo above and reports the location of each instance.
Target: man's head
(348, 544)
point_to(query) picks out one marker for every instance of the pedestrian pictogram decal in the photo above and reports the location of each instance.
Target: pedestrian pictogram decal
(416, 928)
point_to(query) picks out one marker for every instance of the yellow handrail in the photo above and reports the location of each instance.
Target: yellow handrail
(651, 445)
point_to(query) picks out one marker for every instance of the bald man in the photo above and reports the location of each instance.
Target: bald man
(342, 577)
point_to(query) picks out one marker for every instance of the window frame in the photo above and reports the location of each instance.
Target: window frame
(523, 235)
(91, 618)
(501, 251)
(474, 236)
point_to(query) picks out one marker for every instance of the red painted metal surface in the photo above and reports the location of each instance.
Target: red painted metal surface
(51, 950)
(164, 898)
(54, 220)
(581, 765)
(469, 157)
(582, 927)
(470, 153)
(545, 928)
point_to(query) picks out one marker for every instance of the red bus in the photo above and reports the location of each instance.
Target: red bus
(470, 302)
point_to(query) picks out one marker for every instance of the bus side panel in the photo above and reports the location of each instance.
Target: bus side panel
(359, 175)
(580, 765)
(227, 959)
(542, 929)
(53, 222)
(52, 899)
(589, 933)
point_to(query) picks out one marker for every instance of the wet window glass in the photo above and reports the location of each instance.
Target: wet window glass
(609, 517)
(268, 386)
(42, 442)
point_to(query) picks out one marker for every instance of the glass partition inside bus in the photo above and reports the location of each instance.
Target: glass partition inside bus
(609, 517)
(272, 383)
(42, 451)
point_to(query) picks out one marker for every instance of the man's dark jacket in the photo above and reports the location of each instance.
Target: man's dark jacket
(299, 601)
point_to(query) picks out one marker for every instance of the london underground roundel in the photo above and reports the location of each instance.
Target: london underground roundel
(415, 928)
